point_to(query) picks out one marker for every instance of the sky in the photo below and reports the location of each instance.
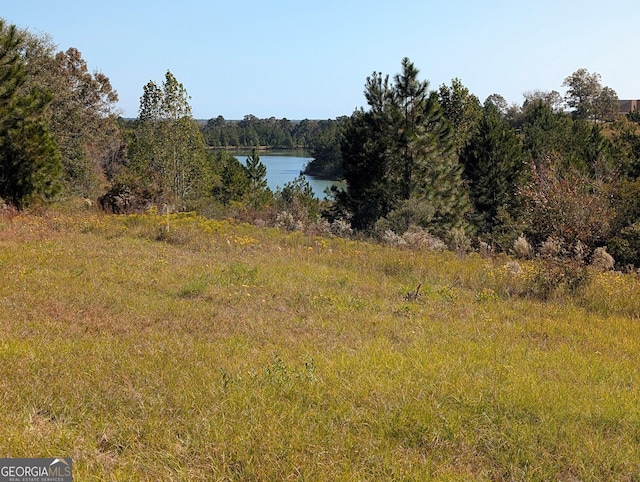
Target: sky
(310, 58)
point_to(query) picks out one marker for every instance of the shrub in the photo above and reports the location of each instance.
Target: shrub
(458, 241)
(601, 260)
(625, 247)
(506, 231)
(297, 200)
(552, 248)
(322, 227)
(485, 249)
(286, 221)
(554, 275)
(420, 238)
(392, 239)
(522, 249)
(127, 195)
(566, 204)
(341, 228)
(414, 238)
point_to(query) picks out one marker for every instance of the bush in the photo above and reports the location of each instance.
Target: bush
(552, 248)
(392, 239)
(505, 232)
(625, 247)
(458, 241)
(127, 195)
(285, 220)
(522, 249)
(566, 204)
(555, 275)
(297, 200)
(414, 238)
(601, 260)
(419, 238)
(542, 278)
(341, 228)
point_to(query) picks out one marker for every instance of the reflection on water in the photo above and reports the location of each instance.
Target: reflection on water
(285, 166)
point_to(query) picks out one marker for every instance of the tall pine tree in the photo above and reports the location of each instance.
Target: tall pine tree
(30, 165)
(399, 160)
(462, 109)
(369, 195)
(257, 174)
(493, 163)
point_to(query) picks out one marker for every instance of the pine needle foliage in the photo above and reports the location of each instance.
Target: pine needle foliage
(399, 156)
(30, 167)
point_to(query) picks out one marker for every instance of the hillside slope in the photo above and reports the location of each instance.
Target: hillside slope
(154, 348)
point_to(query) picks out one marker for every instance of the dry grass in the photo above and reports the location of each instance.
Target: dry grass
(216, 351)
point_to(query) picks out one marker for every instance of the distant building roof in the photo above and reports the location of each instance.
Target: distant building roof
(627, 106)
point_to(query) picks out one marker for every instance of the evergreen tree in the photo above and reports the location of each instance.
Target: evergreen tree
(493, 166)
(575, 142)
(297, 199)
(29, 159)
(625, 147)
(431, 190)
(232, 178)
(547, 133)
(257, 174)
(399, 160)
(462, 109)
(543, 130)
(325, 149)
(366, 168)
(410, 106)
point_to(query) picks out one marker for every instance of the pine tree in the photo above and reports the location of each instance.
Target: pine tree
(367, 172)
(462, 109)
(398, 158)
(432, 194)
(231, 182)
(257, 174)
(411, 107)
(493, 164)
(30, 165)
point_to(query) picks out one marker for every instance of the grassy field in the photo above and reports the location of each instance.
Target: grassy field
(154, 348)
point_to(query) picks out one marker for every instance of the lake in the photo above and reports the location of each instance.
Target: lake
(285, 166)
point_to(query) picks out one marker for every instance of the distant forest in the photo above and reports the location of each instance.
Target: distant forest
(317, 136)
(268, 133)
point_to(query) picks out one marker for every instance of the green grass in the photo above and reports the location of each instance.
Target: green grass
(217, 351)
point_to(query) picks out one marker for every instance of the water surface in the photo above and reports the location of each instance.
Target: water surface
(285, 166)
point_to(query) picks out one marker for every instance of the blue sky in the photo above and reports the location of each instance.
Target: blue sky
(310, 59)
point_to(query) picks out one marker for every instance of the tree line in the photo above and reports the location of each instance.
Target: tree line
(563, 180)
(562, 172)
(269, 133)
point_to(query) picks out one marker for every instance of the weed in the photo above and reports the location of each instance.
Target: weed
(194, 288)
